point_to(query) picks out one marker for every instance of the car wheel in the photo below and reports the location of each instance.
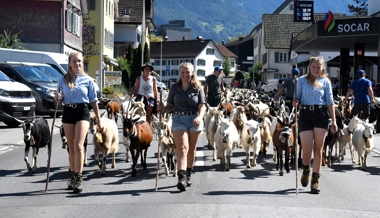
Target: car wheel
(12, 123)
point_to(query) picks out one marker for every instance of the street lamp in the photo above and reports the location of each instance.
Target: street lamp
(164, 39)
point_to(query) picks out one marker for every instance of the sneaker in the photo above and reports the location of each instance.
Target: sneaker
(305, 176)
(78, 183)
(71, 182)
(315, 179)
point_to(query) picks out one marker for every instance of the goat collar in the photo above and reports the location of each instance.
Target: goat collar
(133, 134)
(349, 131)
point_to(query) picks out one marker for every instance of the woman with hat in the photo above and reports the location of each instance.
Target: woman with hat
(146, 88)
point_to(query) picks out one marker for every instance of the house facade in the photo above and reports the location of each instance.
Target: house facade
(51, 25)
(243, 48)
(203, 54)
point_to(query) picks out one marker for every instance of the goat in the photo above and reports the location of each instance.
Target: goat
(265, 134)
(36, 135)
(212, 127)
(250, 137)
(283, 139)
(239, 119)
(167, 146)
(207, 121)
(347, 138)
(105, 142)
(362, 139)
(113, 109)
(226, 136)
(140, 136)
(65, 145)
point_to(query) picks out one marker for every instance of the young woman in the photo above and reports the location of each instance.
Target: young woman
(146, 88)
(187, 99)
(76, 91)
(315, 95)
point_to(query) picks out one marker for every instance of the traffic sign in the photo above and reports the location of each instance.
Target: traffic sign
(168, 69)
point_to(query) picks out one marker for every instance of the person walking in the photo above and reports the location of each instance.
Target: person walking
(289, 85)
(363, 96)
(76, 91)
(214, 86)
(146, 88)
(314, 93)
(187, 99)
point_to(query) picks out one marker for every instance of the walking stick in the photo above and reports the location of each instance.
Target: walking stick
(296, 132)
(50, 147)
(159, 140)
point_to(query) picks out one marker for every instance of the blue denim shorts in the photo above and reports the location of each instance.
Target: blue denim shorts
(185, 122)
(147, 101)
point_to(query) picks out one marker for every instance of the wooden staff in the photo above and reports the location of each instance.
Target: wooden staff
(159, 140)
(50, 147)
(296, 133)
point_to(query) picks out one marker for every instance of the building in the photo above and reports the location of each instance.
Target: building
(243, 48)
(202, 53)
(175, 30)
(53, 26)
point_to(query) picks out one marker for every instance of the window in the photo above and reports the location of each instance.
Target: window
(69, 15)
(138, 37)
(291, 7)
(73, 21)
(201, 72)
(156, 62)
(217, 63)
(201, 62)
(210, 51)
(106, 6)
(232, 63)
(175, 62)
(279, 76)
(92, 5)
(165, 62)
(281, 57)
(174, 72)
(164, 73)
(108, 41)
(265, 58)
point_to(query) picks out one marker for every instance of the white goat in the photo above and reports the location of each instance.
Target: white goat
(226, 137)
(250, 137)
(212, 127)
(167, 145)
(342, 141)
(362, 139)
(105, 142)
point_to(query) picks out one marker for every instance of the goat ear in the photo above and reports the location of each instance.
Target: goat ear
(374, 123)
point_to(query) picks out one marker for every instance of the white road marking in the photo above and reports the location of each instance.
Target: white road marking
(199, 158)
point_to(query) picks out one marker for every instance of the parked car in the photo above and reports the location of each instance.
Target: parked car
(161, 85)
(43, 88)
(16, 100)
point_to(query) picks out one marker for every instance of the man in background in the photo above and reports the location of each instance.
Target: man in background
(214, 86)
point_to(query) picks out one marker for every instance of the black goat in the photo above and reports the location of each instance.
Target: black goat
(36, 135)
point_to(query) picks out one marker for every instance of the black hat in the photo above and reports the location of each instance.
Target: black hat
(147, 65)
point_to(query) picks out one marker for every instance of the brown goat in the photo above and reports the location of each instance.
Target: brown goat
(228, 106)
(113, 109)
(283, 139)
(140, 136)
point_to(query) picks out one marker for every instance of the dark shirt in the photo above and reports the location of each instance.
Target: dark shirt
(360, 87)
(185, 100)
(289, 86)
(214, 84)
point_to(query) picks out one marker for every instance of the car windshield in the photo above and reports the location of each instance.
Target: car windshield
(51, 72)
(4, 77)
(65, 66)
(32, 74)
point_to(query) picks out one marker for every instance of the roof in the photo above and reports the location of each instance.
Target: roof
(282, 6)
(239, 41)
(225, 51)
(136, 10)
(279, 28)
(178, 49)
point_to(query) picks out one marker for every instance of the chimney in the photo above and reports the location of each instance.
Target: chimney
(183, 38)
(199, 37)
(222, 42)
(241, 38)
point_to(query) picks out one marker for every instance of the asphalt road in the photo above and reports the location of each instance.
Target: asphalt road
(346, 191)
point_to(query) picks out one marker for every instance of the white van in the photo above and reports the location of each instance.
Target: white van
(16, 101)
(57, 60)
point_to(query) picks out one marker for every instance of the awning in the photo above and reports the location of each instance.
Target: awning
(109, 60)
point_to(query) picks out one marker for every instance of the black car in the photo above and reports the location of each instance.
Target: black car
(43, 88)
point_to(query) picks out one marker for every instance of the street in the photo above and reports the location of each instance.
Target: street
(346, 191)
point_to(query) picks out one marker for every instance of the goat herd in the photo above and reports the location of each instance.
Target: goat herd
(246, 119)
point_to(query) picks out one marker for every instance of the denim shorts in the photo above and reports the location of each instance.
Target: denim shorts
(185, 122)
(147, 101)
(310, 119)
(73, 115)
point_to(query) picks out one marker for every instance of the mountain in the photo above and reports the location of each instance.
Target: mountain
(225, 19)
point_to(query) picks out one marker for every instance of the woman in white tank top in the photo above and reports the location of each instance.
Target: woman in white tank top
(146, 88)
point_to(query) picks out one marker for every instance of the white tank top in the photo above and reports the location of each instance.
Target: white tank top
(146, 87)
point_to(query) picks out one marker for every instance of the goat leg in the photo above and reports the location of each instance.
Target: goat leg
(287, 155)
(27, 147)
(34, 162)
(247, 158)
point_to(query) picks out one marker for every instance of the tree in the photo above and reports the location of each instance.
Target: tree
(7, 40)
(146, 53)
(257, 68)
(136, 64)
(89, 45)
(125, 68)
(361, 7)
(227, 66)
(154, 38)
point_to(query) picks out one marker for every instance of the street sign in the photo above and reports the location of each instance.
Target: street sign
(168, 69)
(112, 77)
(303, 11)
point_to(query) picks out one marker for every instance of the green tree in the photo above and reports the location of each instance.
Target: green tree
(125, 68)
(154, 38)
(89, 45)
(257, 68)
(227, 66)
(7, 40)
(146, 53)
(361, 7)
(136, 64)
(130, 53)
